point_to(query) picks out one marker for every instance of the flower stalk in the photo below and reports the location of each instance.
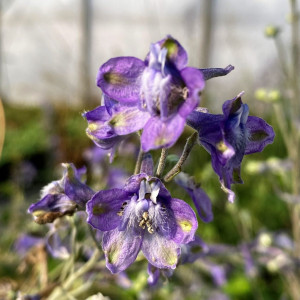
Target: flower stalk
(190, 142)
(162, 162)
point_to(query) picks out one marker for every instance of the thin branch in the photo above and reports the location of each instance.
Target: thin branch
(94, 238)
(162, 162)
(139, 161)
(89, 265)
(190, 142)
(2, 127)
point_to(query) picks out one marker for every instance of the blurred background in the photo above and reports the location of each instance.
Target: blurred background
(50, 52)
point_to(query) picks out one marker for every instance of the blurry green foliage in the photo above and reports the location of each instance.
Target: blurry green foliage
(25, 133)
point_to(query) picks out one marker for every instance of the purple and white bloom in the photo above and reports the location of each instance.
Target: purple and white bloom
(111, 123)
(61, 197)
(162, 87)
(229, 137)
(141, 216)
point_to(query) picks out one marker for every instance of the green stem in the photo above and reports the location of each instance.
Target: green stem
(190, 142)
(139, 161)
(65, 287)
(162, 162)
(94, 238)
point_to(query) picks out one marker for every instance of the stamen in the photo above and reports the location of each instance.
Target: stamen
(145, 215)
(142, 224)
(150, 229)
(144, 221)
(185, 93)
(121, 211)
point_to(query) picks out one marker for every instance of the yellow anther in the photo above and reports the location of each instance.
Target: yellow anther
(92, 126)
(150, 230)
(221, 146)
(145, 215)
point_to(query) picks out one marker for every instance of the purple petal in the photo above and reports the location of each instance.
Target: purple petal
(123, 281)
(193, 250)
(103, 209)
(175, 52)
(260, 134)
(186, 221)
(108, 143)
(207, 124)
(121, 249)
(160, 252)
(98, 126)
(132, 185)
(164, 93)
(98, 114)
(74, 189)
(158, 134)
(249, 264)
(164, 194)
(59, 241)
(52, 203)
(234, 107)
(216, 72)
(109, 103)
(194, 81)
(147, 164)
(211, 136)
(219, 275)
(163, 219)
(153, 273)
(128, 119)
(203, 205)
(201, 200)
(116, 178)
(25, 242)
(120, 77)
(95, 155)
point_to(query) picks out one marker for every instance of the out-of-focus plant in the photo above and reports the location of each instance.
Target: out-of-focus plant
(285, 102)
(2, 127)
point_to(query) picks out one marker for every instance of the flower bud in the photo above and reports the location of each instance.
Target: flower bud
(261, 94)
(274, 96)
(271, 31)
(265, 240)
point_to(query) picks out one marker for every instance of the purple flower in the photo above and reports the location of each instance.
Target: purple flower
(61, 197)
(110, 124)
(141, 216)
(162, 87)
(229, 137)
